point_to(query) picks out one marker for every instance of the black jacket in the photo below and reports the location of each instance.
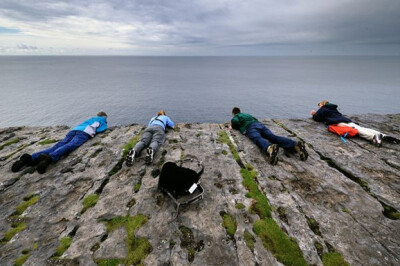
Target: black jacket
(330, 115)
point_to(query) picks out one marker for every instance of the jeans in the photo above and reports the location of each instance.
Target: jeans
(72, 140)
(154, 136)
(263, 137)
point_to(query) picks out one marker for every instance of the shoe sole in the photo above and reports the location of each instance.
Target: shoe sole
(41, 168)
(149, 158)
(303, 151)
(391, 139)
(273, 157)
(17, 166)
(130, 158)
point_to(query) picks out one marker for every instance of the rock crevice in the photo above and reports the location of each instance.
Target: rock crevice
(341, 206)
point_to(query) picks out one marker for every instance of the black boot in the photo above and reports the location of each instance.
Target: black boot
(44, 161)
(25, 159)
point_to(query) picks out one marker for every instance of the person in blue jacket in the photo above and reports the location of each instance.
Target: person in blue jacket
(153, 137)
(74, 139)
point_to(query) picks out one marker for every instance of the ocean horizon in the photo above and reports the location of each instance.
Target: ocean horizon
(65, 90)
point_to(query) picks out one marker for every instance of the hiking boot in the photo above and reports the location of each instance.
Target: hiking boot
(272, 154)
(377, 140)
(44, 161)
(300, 148)
(25, 159)
(130, 158)
(391, 139)
(149, 155)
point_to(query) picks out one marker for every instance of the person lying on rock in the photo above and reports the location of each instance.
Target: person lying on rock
(329, 114)
(74, 138)
(153, 137)
(264, 138)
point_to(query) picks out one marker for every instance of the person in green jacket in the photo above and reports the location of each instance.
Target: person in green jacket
(264, 138)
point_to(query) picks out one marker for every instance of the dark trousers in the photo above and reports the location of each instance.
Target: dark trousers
(72, 140)
(263, 137)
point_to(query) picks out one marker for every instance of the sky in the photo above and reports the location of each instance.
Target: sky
(200, 28)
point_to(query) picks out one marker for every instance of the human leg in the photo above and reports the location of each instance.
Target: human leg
(157, 140)
(253, 132)
(79, 138)
(144, 141)
(70, 135)
(135, 151)
(367, 133)
(283, 142)
(271, 150)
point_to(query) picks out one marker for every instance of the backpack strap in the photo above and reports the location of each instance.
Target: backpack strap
(156, 118)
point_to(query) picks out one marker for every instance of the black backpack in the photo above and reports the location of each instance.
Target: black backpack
(181, 177)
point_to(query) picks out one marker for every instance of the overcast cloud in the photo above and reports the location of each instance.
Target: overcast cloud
(205, 27)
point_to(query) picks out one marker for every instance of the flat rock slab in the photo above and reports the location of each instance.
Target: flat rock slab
(346, 189)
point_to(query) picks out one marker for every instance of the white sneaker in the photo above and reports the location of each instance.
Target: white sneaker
(130, 158)
(377, 140)
(149, 155)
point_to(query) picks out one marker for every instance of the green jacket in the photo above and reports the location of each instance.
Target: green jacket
(242, 121)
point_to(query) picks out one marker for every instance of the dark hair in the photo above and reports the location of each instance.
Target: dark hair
(235, 110)
(102, 114)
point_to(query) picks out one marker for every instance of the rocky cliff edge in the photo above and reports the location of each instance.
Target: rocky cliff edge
(339, 207)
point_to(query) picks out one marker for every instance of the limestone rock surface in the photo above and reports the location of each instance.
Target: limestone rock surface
(345, 199)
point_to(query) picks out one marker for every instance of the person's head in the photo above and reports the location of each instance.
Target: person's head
(235, 110)
(161, 112)
(322, 103)
(103, 114)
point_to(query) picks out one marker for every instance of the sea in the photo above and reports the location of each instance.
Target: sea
(65, 90)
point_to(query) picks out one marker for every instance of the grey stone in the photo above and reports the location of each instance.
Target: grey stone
(343, 187)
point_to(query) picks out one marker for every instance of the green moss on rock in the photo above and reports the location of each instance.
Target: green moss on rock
(224, 138)
(137, 248)
(274, 239)
(137, 186)
(47, 141)
(28, 201)
(65, 242)
(21, 259)
(240, 206)
(229, 223)
(333, 259)
(260, 204)
(16, 228)
(314, 225)
(89, 202)
(130, 144)
(8, 143)
(249, 240)
(390, 212)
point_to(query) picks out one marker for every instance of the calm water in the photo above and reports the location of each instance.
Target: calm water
(48, 90)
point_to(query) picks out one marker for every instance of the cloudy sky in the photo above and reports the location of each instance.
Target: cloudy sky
(202, 27)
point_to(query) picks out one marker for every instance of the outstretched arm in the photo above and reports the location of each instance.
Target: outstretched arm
(235, 124)
(102, 127)
(319, 115)
(170, 123)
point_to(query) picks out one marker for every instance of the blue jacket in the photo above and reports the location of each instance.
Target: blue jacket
(161, 120)
(330, 115)
(93, 125)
